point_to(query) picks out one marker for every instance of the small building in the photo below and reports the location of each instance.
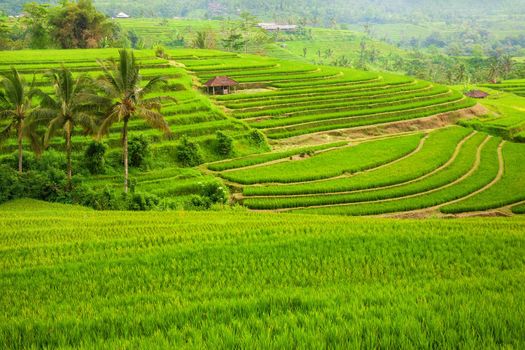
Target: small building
(274, 27)
(122, 15)
(476, 94)
(221, 85)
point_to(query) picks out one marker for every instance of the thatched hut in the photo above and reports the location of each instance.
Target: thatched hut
(220, 85)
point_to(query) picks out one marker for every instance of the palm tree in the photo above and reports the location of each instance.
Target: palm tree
(73, 104)
(16, 107)
(121, 83)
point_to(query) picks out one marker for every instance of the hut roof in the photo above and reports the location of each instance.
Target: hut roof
(476, 94)
(220, 81)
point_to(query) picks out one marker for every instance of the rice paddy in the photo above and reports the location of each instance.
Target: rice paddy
(308, 99)
(77, 278)
(438, 171)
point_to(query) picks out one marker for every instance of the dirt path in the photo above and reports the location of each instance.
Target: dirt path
(349, 134)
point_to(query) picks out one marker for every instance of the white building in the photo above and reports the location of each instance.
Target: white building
(122, 15)
(274, 27)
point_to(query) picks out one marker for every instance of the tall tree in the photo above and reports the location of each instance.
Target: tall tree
(36, 25)
(73, 104)
(121, 83)
(79, 25)
(16, 107)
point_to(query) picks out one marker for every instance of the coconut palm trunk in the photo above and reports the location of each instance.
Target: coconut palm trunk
(71, 105)
(121, 84)
(69, 131)
(20, 145)
(125, 153)
(16, 113)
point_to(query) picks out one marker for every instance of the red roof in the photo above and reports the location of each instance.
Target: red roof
(220, 81)
(476, 94)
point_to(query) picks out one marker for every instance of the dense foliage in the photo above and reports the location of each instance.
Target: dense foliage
(70, 24)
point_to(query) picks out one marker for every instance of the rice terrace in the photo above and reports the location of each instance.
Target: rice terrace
(262, 175)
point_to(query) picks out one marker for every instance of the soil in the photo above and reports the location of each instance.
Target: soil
(427, 123)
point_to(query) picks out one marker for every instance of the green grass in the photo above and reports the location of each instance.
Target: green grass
(455, 182)
(510, 189)
(268, 157)
(82, 279)
(436, 151)
(459, 167)
(505, 117)
(329, 164)
(366, 120)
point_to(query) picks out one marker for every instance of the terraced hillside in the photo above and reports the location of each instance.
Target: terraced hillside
(345, 141)
(303, 99)
(515, 86)
(168, 32)
(187, 111)
(448, 170)
(505, 115)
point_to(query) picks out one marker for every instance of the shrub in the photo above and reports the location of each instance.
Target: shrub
(257, 137)
(49, 185)
(215, 192)
(188, 153)
(50, 160)
(143, 201)
(159, 51)
(28, 160)
(224, 144)
(197, 202)
(138, 151)
(9, 184)
(107, 199)
(94, 157)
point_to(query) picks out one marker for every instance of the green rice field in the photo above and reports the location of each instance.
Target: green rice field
(76, 278)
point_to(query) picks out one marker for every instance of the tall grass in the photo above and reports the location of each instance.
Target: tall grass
(73, 278)
(329, 164)
(435, 152)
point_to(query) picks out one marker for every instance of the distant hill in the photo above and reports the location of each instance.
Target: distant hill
(340, 11)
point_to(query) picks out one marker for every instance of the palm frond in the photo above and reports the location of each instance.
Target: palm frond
(108, 121)
(153, 84)
(86, 121)
(154, 104)
(53, 126)
(7, 114)
(154, 119)
(5, 133)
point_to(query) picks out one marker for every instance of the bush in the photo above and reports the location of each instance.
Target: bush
(50, 160)
(138, 151)
(9, 183)
(28, 160)
(224, 144)
(94, 158)
(49, 185)
(143, 201)
(188, 153)
(107, 199)
(257, 137)
(197, 202)
(160, 52)
(215, 192)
